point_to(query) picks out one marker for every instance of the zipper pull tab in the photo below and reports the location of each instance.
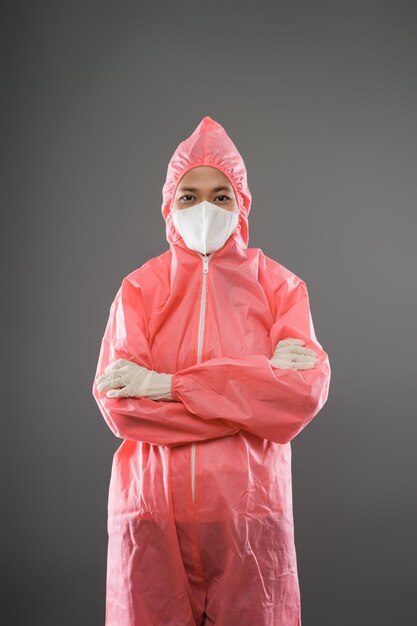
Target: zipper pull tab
(205, 264)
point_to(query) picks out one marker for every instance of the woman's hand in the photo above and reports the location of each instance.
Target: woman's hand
(125, 379)
(289, 353)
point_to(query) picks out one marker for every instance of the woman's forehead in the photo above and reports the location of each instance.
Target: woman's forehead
(202, 176)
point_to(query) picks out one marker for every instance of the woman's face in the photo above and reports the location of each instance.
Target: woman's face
(204, 183)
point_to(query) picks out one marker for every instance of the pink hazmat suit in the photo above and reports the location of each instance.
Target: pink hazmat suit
(200, 519)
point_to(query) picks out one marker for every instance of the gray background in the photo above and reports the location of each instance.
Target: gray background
(320, 99)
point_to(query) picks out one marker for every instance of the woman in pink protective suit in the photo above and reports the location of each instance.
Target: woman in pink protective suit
(209, 367)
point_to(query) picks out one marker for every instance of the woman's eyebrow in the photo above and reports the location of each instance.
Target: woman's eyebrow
(222, 188)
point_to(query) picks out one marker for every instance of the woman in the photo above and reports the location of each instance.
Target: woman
(208, 368)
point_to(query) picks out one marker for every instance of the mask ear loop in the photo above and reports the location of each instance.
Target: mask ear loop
(171, 204)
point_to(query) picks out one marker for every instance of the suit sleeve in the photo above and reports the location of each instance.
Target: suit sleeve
(157, 422)
(248, 391)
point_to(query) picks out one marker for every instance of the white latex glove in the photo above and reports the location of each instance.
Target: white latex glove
(134, 381)
(289, 353)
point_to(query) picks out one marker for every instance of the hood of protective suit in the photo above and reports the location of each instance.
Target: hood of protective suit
(208, 145)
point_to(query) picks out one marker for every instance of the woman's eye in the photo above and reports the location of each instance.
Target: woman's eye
(188, 197)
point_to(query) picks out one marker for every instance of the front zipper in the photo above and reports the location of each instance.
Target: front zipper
(205, 259)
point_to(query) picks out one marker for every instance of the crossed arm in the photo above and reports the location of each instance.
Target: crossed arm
(271, 398)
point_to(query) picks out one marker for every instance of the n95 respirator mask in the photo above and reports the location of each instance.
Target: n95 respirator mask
(205, 227)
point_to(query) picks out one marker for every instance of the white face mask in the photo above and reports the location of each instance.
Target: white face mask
(205, 227)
